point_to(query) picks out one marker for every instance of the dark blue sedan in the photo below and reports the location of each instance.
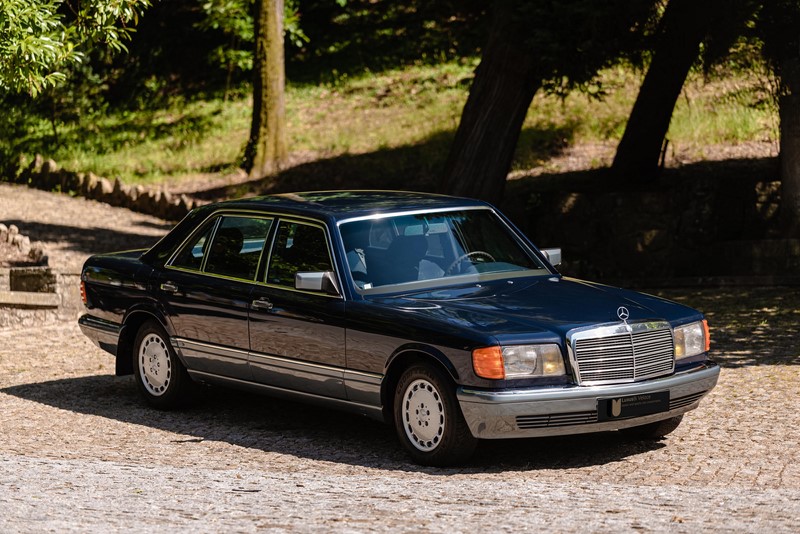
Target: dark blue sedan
(429, 312)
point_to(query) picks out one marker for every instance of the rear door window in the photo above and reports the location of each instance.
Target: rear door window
(230, 246)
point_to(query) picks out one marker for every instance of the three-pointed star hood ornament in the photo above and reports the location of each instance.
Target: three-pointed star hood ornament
(623, 313)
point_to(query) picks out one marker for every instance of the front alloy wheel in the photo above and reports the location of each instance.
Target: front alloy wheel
(423, 415)
(160, 375)
(428, 419)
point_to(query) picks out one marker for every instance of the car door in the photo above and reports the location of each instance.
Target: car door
(297, 337)
(205, 289)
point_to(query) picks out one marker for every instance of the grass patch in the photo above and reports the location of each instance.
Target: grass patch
(724, 111)
(381, 113)
(147, 146)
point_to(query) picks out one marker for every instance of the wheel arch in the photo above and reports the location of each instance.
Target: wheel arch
(133, 321)
(402, 359)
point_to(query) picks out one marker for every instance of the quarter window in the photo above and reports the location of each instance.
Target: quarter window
(298, 248)
(191, 256)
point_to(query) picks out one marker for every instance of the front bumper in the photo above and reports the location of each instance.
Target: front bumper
(561, 410)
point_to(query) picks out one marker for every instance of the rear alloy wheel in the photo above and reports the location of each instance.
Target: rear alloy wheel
(160, 375)
(652, 431)
(428, 419)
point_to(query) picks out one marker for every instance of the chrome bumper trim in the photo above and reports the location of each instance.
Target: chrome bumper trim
(104, 334)
(493, 414)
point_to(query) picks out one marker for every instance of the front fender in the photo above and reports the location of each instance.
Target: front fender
(426, 350)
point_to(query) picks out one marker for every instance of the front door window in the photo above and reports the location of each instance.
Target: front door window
(299, 247)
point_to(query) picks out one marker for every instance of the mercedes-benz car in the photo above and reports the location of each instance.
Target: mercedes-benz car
(432, 313)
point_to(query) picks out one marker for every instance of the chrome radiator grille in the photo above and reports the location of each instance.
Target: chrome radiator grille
(622, 353)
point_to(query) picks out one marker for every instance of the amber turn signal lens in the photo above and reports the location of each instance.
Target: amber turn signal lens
(707, 334)
(83, 292)
(488, 363)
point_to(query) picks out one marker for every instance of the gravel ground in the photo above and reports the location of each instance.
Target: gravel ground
(72, 228)
(80, 452)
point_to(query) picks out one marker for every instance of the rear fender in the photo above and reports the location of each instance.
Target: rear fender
(133, 321)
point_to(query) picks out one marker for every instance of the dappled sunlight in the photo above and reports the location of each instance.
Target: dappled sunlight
(749, 326)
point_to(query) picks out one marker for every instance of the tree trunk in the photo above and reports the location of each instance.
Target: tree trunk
(789, 107)
(498, 101)
(684, 25)
(266, 148)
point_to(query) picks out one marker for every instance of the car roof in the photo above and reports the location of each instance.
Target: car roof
(339, 205)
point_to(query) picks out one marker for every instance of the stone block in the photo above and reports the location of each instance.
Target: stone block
(26, 299)
(70, 181)
(145, 202)
(164, 206)
(32, 279)
(34, 169)
(25, 245)
(125, 196)
(89, 185)
(102, 189)
(12, 232)
(136, 192)
(49, 166)
(49, 175)
(116, 197)
(37, 254)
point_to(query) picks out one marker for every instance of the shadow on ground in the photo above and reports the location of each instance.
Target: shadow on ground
(416, 167)
(93, 240)
(285, 427)
(749, 325)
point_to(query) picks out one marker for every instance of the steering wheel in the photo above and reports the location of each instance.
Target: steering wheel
(465, 256)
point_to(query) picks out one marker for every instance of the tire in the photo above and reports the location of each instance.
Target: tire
(428, 419)
(160, 376)
(653, 431)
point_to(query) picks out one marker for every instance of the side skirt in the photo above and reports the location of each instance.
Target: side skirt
(373, 412)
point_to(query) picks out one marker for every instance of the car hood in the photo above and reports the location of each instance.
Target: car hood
(535, 309)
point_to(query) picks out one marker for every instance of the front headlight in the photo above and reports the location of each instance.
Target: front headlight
(691, 339)
(518, 361)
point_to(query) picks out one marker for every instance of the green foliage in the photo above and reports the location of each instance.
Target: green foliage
(153, 115)
(39, 42)
(234, 19)
(379, 125)
(350, 37)
(778, 26)
(572, 40)
(726, 35)
(32, 46)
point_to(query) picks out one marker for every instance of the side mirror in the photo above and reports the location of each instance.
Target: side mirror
(553, 255)
(317, 281)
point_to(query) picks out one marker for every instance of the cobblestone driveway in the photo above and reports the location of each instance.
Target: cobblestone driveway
(78, 451)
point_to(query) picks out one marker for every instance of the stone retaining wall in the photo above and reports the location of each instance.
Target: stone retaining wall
(34, 252)
(685, 228)
(45, 174)
(29, 308)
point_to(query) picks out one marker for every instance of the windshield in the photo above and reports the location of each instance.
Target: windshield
(433, 249)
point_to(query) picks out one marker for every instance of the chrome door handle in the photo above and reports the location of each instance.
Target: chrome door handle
(169, 287)
(262, 304)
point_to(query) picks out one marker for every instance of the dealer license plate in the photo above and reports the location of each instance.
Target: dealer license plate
(632, 406)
